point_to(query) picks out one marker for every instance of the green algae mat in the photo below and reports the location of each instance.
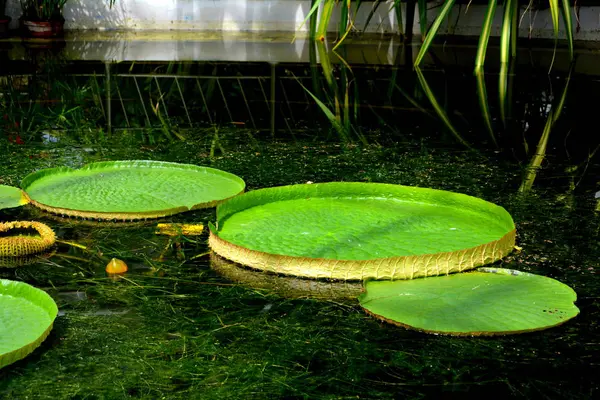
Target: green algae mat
(486, 302)
(358, 231)
(127, 190)
(26, 318)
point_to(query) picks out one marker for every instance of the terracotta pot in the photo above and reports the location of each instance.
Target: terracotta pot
(4, 21)
(43, 29)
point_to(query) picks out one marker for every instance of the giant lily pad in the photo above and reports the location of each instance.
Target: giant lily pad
(357, 231)
(489, 301)
(26, 318)
(11, 197)
(127, 190)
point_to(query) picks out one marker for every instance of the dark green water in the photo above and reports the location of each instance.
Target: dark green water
(178, 326)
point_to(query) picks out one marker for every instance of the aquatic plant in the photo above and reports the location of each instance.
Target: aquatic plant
(358, 231)
(509, 29)
(27, 318)
(319, 20)
(487, 302)
(388, 235)
(22, 245)
(128, 190)
(116, 266)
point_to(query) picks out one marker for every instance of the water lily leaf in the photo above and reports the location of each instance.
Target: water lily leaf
(11, 197)
(26, 318)
(357, 231)
(129, 189)
(489, 301)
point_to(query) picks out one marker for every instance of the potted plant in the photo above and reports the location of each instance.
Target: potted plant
(4, 19)
(42, 18)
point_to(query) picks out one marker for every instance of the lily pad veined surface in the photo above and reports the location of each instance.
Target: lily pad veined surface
(357, 231)
(11, 197)
(26, 318)
(126, 190)
(489, 301)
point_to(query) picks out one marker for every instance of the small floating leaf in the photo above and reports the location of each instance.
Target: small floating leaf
(490, 301)
(11, 197)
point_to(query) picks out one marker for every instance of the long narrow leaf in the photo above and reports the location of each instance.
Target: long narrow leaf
(344, 13)
(324, 19)
(554, 11)
(502, 89)
(397, 6)
(376, 4)
(540, 151)
(334, 121)
(312, 29)
(506, 32)
(438, 109)
(514, 28)
(444, 12)
(423, 16)
(312, 11)
(485, 34)
(568, 24)
(483, 103)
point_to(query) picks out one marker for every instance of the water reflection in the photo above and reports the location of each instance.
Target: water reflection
(285, 286)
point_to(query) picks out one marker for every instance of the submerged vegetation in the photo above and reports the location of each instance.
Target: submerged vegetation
(180, 324)
(176, 328)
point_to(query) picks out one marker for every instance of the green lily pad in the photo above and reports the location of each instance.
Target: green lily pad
(358, 231)
(127, 190)
(26, 318)
(11, 197)
(489, 301)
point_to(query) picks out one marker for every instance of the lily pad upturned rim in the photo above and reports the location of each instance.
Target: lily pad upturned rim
(389, 268)
(488, 270)
(41, 299)
(23, 245)
(125, 215)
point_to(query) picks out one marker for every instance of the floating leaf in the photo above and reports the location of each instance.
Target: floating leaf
(355, 231)
(129, 189)
(26, 318)
(489, 301)
(11, 197)
(15, 244)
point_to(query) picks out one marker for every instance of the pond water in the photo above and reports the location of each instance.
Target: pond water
(183, 323)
